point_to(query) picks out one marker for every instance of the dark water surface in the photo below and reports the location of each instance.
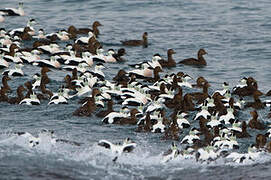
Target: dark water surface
(236, 35)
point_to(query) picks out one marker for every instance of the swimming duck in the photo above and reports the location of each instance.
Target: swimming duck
(113, 117)
(3, 96)
(28, 29)
(84, 40)
(30, 57)
(170, 62)
(248, 90)
(198, 62)
(143, 42)
(147, 125)
(87, 108)
(184, 81)
(5, 80)
(225, 86)
(254, 123)
(115, 57)
(182, 121)
(159, 127)
(204, 112)
(225, 142)
(201, 96)
(118, 148)
(257, 104)
(94, 29)
(214, 122)
(20, 96)
(228, 118)
(172, 132)
(251, 155)
(60, 98)
(132, 120)
(52, 63)
(191, 137)
(156, 76)
(41, 35)
(43, 77)
(33, 100)
(260, 141)
(17, 71)
(243, 133)
(171, 154)
(207, 153)
(63, 35)
(52, 48)
(109, 109)
(13, 11)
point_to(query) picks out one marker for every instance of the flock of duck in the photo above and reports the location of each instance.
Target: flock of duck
(171, 105)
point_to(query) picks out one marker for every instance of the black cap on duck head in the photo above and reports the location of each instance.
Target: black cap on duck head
(225, 84)
(99, 64)
(111, 50)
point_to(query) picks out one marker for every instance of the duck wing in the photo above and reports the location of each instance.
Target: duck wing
(189, 61)
(106, 144)
(129, 147)
(8, 12)
(132, 43)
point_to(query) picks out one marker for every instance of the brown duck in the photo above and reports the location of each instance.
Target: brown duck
(170, 62)
(89, 107)
(260, 141)
(94, 29)
(156, 77)
(254, 123)
(244, 133)
(5, 80)
(3, 95)
(107, 111)
(248, 90)
(143, 42)
(257, 104)
(192, 61)
(20, 96)
(200, 97)
(147, 125)
(132, 120)
(72, 32)
(44, 77)
(200, 82)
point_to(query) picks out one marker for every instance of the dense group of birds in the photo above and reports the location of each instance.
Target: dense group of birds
(173, 106)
